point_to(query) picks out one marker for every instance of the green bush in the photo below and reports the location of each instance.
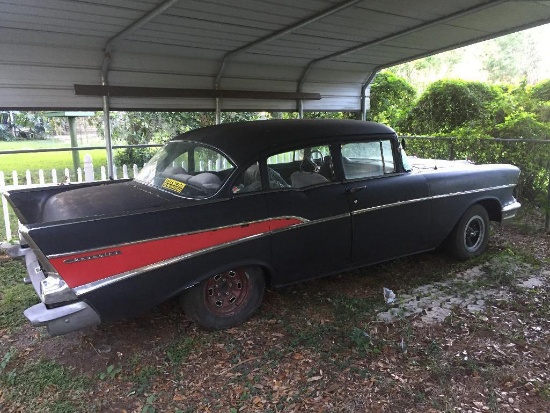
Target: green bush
(131, 156)
(450, 104)
(522, 125)
(541, 91)
(391, 98)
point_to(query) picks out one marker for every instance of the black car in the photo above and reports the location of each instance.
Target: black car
(221, 212)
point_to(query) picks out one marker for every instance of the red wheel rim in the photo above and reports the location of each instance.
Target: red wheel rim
(227, 292)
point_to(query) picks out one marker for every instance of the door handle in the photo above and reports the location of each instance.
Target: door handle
(356, 189)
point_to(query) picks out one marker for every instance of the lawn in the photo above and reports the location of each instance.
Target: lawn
(313, 347)
(44, 160)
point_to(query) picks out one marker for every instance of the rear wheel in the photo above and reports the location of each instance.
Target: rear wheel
(470, 236)
(225, 300)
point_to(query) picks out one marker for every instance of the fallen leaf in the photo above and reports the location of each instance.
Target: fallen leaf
(314, 378)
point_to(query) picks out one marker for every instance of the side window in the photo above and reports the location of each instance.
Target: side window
(367, 159)
(286, 157)
(205, 159)
(182, 162)
(300, 168)
(249, 181)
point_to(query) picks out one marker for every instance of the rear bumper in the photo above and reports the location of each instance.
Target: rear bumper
(510, 210)
(64, 319)
(61, 319)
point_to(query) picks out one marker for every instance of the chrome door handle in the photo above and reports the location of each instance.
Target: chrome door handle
(356, 189)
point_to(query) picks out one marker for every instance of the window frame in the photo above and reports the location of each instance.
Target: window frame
(380, 139)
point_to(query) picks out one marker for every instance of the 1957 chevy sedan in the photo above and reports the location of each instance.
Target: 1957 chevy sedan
(221, 212)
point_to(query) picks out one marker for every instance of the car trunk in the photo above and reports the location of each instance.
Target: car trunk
(73, 202)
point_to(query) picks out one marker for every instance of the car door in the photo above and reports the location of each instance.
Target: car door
(320, 243)
(390, 208)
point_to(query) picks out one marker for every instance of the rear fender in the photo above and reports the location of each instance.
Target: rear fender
(268, 271)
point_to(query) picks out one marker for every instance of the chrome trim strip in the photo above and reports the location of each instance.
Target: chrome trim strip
(317, 221)
(83, 289)
(86, 288)
(53, 256)
(42, 259)
(474, 191)
(305, 222)
(429, 198)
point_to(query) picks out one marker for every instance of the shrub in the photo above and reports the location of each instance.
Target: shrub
(541, 91)
(450, 104)
(391, 98)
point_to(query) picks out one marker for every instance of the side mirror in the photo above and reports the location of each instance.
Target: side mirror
(403, 144)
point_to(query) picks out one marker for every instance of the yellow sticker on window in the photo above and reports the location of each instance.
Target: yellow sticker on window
(173, 185)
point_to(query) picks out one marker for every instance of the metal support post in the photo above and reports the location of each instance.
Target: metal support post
(218, 112)
(106, 115)
(74, 143)
(547, 206)
(452, 153)
(108, 141)
(364, 88)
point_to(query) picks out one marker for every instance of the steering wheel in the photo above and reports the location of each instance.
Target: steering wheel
(308, 162)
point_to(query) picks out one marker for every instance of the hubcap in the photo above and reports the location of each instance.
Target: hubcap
(474, 233)
(227, 292)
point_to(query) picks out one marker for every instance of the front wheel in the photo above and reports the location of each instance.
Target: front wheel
(225, 300)
(470, 236)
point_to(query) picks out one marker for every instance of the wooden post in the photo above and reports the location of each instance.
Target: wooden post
(5, 208)
(88, 168)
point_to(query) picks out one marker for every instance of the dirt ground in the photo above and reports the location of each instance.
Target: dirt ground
(319, 347)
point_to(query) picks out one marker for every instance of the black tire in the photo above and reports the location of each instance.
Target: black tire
(225, 300)
(470, 236)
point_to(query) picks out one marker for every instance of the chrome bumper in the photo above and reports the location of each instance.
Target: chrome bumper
(58, 320)
(510, 210)
(64, 319)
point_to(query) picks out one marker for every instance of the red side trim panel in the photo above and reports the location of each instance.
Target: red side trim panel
(83, 268)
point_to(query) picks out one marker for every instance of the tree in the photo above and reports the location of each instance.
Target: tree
(135, 128)
(421, 72)
(510, 59)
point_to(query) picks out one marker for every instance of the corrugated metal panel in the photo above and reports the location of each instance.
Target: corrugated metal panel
(49, 45)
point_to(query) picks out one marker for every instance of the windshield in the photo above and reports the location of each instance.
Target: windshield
(188, 169)
(406, 162)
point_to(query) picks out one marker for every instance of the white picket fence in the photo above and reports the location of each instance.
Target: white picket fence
(85, 174)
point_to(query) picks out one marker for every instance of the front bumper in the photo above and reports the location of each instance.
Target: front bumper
(510, 210)
(61, 319)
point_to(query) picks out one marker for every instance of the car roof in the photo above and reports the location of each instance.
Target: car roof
(243, 142)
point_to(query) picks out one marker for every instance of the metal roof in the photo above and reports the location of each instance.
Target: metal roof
(182, 54)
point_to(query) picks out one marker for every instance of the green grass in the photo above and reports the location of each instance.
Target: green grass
(13, 226)
(43, 386)
(15, 296)
(44, 160)
(313, 329)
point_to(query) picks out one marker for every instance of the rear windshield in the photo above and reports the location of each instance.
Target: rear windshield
(188, 169)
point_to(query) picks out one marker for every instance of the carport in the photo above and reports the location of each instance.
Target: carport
(222, 55)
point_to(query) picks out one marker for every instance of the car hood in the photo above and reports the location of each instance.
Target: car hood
(422, 164)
